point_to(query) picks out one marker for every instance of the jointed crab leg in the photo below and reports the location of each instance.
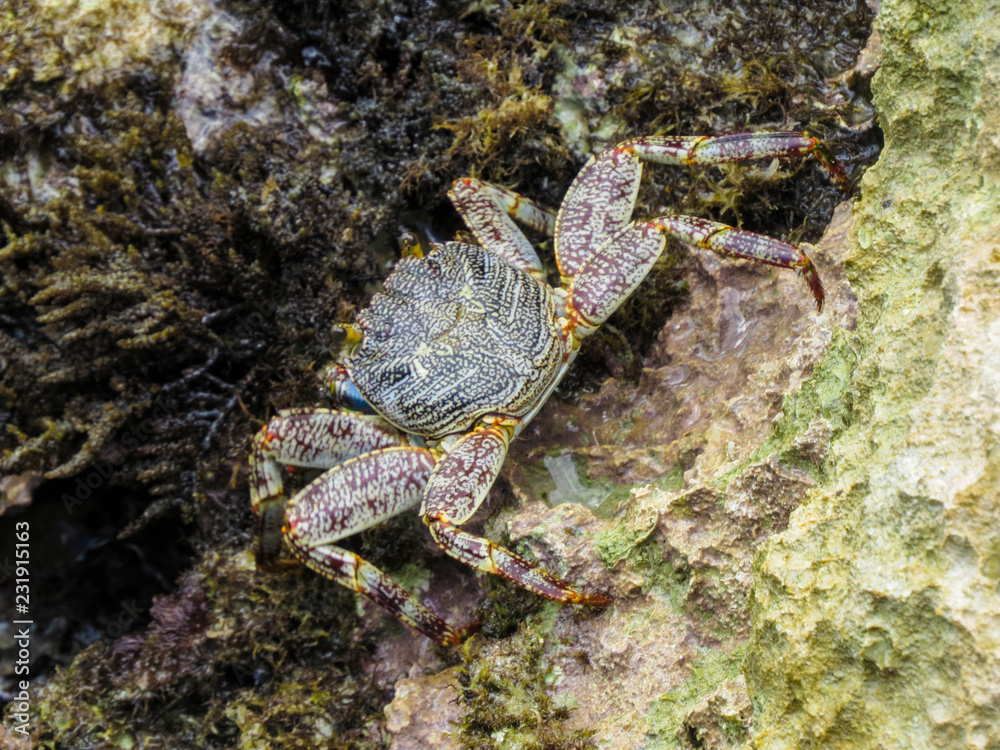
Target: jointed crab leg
(739, 243)
(306, 438)
(354, 496)
(487, 210)
(598, 203)
(601, 198)
(607, 278)
(456, 488)
(530, 213)
(734, 147)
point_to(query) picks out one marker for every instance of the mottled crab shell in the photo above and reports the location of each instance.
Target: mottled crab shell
(456, 336)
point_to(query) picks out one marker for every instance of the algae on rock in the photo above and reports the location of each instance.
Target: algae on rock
(877, 612)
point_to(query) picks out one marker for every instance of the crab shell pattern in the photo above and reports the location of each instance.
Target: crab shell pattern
(456, 337)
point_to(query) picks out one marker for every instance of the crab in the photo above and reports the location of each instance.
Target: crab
(459, 352)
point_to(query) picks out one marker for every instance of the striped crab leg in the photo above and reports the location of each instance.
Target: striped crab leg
(733, 147)
(489, 210)
(594, 239)
(602, 197)
(607, 278)
(356, 495)
(310, 439)
(456, 489)
(739, 243)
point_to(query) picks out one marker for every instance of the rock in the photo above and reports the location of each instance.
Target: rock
(722, 720)
(423, 713)
(877, 612)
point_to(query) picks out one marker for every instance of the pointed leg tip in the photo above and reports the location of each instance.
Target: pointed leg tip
(818, 295)
(836, 170)
(841, 175)
(832, 166)
(457, 636)
(808, 271)
(592, 600)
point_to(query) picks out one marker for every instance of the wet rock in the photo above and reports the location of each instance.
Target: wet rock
(424, 712)
(721, 720)
(719, 369)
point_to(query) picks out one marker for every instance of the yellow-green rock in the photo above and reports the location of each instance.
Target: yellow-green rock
(876, 614)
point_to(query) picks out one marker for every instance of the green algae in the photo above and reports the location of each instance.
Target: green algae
(870, 609)
(823, 397)
(666, 717)
(213, 630)
(509, 702)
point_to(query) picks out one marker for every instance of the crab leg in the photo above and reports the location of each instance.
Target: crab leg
(739, 243)
(351, 497)
(457, 487)
(338, 382)
(306, 438)
(601, 199)
(487, 210)
(607, 278)
(734, 147)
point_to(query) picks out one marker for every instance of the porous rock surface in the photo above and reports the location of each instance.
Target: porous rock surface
(877, 612)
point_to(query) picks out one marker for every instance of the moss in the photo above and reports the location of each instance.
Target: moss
(198, 674)
(509, 700)
(505, 608)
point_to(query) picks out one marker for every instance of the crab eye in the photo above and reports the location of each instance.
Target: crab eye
(344, 392)
(349, 395)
